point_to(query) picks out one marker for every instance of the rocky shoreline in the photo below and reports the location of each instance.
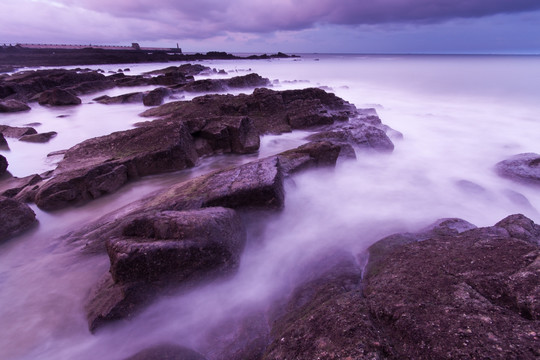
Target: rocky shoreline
(449, 291)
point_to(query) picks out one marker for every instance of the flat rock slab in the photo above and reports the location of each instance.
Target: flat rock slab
(15, 218)
(39, 138)
(101, 165)
(522, 167)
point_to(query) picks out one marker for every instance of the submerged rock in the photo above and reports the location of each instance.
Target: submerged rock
(58, 97)
(39, 138)
(167, 352)
(521, 167)
(13, 105)
(15, 218)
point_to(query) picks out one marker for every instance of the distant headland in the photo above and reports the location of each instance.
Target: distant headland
(12, 56)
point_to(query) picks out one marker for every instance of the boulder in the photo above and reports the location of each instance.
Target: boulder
(16, 132)
(101, 165)
(313, 154)
(227, 134)
(271, 111)
(135, 97)
(521, 167)
(167, 352)
(58, 97)
(161, 250)
(39, 138)
(155, 97)
(450, 291)
(3, 165)
(15, 218)
(13, 105)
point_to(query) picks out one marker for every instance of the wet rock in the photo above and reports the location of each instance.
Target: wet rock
(167, 352)
(155, 97)
(271, 111)
(58, 97)
(135, 97)
(521, 167)
(39, 138)
(15, 218)
(16, 132)
(459, 295)
(3, 143)
(3, 165)
(89, 87)
(12, 186)
(228, 134)
(221, 85)
(313, 154)
(13, 105)
(101, 165)
(161, 250)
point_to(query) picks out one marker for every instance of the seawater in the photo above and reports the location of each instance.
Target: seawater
(459, 116)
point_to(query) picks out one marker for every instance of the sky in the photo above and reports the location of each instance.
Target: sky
(292, 26)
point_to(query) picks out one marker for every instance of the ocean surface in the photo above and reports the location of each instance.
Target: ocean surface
(459, 116)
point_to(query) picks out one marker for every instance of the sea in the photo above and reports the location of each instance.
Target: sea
(459, 115)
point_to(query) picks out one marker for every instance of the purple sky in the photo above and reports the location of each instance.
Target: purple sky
(346, 26)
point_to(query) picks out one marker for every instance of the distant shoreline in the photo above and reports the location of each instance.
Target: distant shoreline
(12, 57)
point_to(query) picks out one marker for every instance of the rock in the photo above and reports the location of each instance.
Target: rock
(271, 111)
(521, 167)
(221, 85)
(12, 186)
(15, 218)
(39, 138)
(164, 249)
(16, 132)
(459, 295)
(177, 245)
(13, 105)
(3, 165)
(101, 165)
(135, 97)
(3, 143)
(167, 352)
(313, 154)
(227, 134)
(58, 97)
(155, 97)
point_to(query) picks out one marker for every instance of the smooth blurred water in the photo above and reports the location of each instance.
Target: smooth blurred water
(459, 115)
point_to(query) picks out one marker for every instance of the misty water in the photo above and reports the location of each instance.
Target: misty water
(459, 116)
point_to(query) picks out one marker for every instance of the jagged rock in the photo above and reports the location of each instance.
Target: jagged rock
(228, 134)
(16, 132)
(39, 138)
(135, 97)
(313, 154)
(58, 97)
(155, 97)
(162, 249)
(521, 167)
(3, 165)
(13, 105)
(15, 218)
(3, 143)
(12, 186)
(101, 165)
(450, 291)
(221, 85)
(167, 352)
(271, 111)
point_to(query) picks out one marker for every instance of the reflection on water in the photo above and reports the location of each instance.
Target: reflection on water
(459, 116)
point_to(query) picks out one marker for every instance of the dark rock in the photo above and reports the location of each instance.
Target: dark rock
(135, 97)
(58, 97)
(460, 295)
(3, 143)
(39, 138)
(221, 85)
(155, 97)
(167, 352)
(101, 165)
(13, 105)
(271, 111)
(313, 154)
(227, 134)
(164, 249)
(89, 87)
(15, 218)
(3, 165)
(12, 186)
(522, 167)
(16, 132)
